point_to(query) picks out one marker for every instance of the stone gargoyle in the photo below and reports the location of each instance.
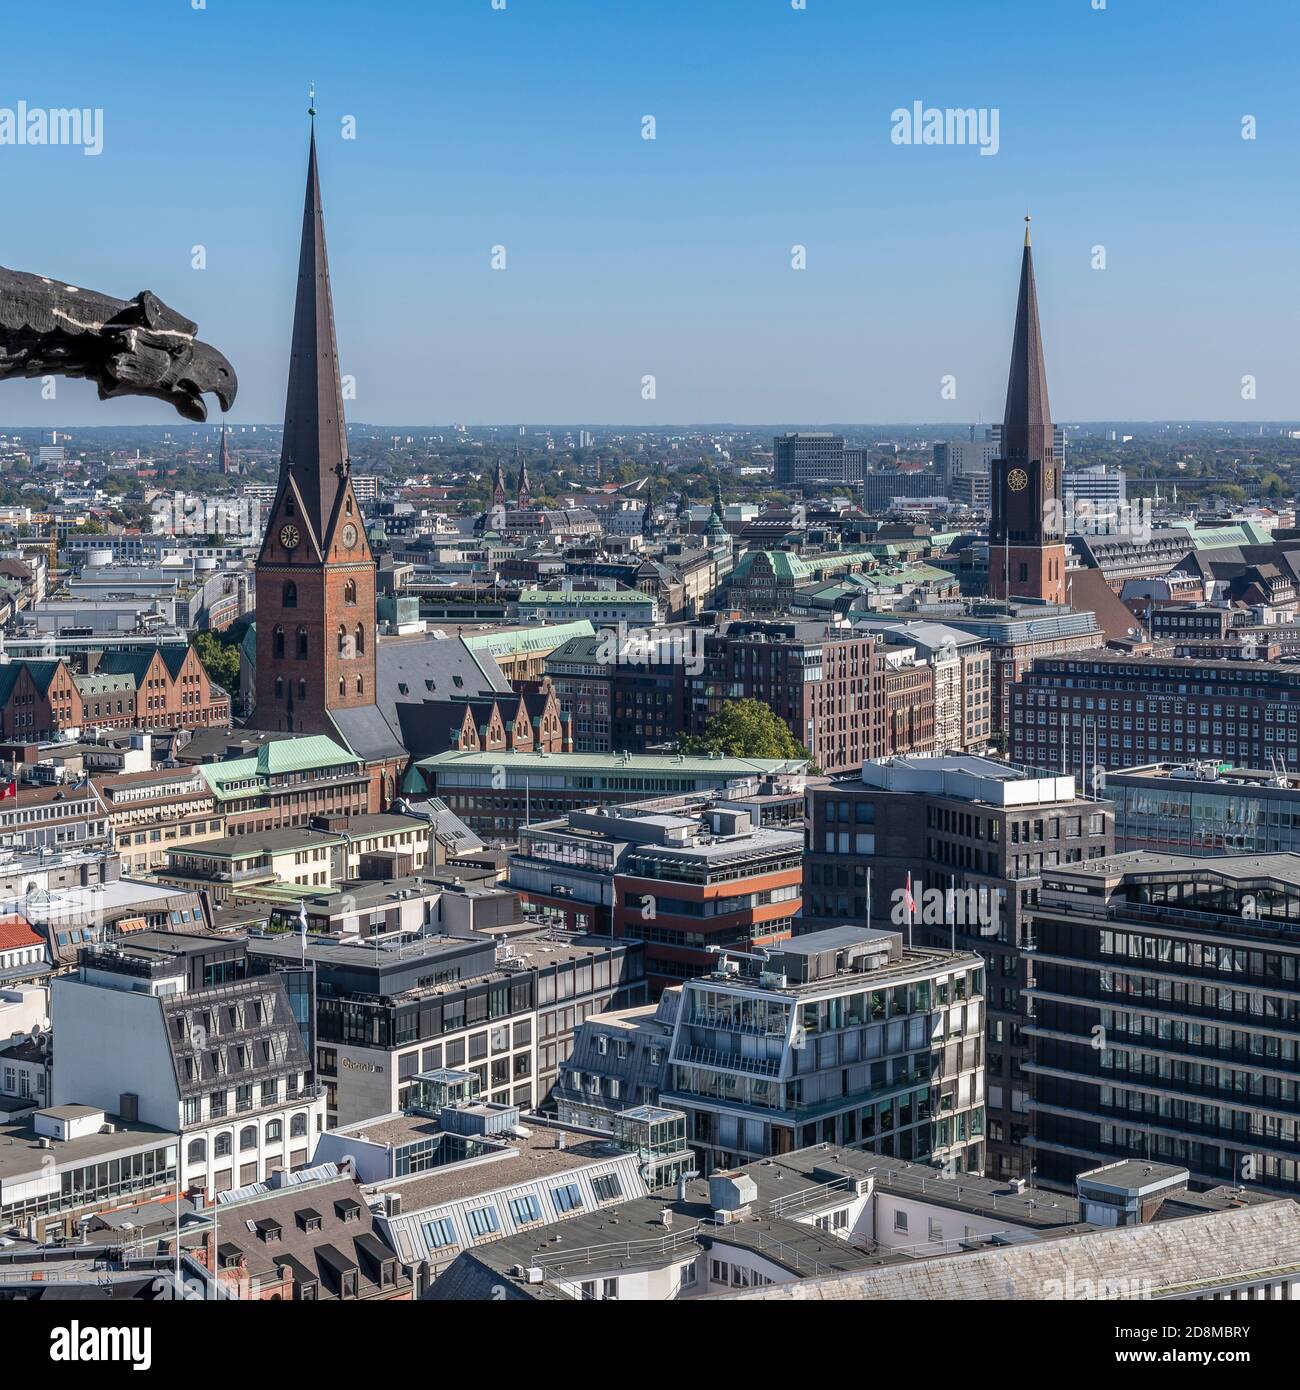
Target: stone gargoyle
(128, 347)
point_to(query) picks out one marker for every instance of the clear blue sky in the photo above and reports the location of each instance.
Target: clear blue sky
(522, 127)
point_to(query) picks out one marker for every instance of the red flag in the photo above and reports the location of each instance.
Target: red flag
(909, 901)
(9, 789)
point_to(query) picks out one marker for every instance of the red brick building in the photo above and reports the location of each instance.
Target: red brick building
(528, 722)
(834, 687)
(158, 688)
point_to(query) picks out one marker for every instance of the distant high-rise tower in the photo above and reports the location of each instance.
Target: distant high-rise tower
(1026, 549)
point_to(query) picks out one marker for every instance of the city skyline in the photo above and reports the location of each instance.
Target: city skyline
(672, 258)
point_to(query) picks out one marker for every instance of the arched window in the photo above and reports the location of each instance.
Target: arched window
(302, 642)
(302, 690)
(361, 640)
(343, 640)
(248, 1137)
(361, 686)
(198, 1151)
(288, 506)
(298, 1127)
(274, 1131)
(343, 686)
(348, 504)
(277, 641)
(279, 687)
(222, 1145)
(289, 599)
(350, 592)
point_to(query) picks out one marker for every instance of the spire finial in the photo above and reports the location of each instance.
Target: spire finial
(1028, 220)
(311, 102)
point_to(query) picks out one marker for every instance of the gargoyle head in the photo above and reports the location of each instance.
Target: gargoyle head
(152, 351)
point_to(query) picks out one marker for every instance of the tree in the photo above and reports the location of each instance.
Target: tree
(220, 660)
(745, 729)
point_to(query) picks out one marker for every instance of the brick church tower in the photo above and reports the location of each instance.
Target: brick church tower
(315, 571)
(1026, 544)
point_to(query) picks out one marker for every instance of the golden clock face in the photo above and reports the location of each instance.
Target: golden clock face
(1017, 480)
(1050, 480)
(289, 537)
(349, 535)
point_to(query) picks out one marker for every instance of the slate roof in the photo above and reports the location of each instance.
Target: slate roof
(439, 660)
(367, 733)
(316, 1255)
(271, 1047)
(1166, 1259)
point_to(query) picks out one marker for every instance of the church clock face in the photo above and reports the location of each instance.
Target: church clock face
(349, 535)
(1017, 480)
(289, 537)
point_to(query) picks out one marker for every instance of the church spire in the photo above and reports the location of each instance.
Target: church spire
(499, 485)
(525, 493)
(315, 434)
(1027, 422)
(223, 457)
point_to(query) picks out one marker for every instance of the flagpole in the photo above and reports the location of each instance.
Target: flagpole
(178, 1216)
(952, 907)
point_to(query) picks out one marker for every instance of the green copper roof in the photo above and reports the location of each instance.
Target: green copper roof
(302, 754)
(783, 563)
(527, 639)
(796, 568)
(912, 574)
(242, 777)
(1235, 533)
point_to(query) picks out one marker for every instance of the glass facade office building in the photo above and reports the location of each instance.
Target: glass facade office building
(1205, 809)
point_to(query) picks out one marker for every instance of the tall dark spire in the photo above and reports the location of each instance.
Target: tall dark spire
(524, 494)
(1027, 422)
(223, 457)
(499, 485)
(315, 433)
